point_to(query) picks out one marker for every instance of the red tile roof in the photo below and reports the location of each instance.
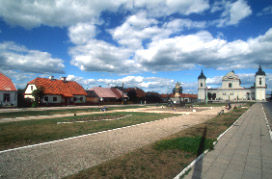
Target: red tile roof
(108, 92)
(6, 83)
(59, 87)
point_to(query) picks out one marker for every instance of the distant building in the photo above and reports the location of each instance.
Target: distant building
(231, 89)
(57, 91)
(8, 92)
(178, 97)
(99, 94)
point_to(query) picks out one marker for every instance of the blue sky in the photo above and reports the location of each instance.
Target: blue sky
(141, 43)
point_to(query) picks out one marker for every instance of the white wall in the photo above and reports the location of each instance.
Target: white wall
(13, 98)
(235, 84)
(78, 99)
(28, 92)
(51, 97)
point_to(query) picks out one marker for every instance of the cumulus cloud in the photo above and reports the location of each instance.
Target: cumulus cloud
(81, 33)
(101, 56)
(17, 57)
(162, 85)
(233, 12)
(186, 51)
(69, 12)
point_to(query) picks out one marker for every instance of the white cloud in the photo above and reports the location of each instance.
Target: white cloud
(101, 56)
(187, 51)
(17, 57)
(162, 85)
(61, 13)
(234, 12)
(82, 32)
(266, 11)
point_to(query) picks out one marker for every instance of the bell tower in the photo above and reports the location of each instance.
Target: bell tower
(260, 85)
(202, 86)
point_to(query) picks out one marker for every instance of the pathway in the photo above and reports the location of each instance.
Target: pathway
(245, 151)
(64, 157)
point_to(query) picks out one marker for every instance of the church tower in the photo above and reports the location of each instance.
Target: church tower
(202, 86)
(260, 85)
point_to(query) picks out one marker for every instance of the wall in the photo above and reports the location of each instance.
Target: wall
(13, 98)
(78, 99)
(50, 99)
(28, 90)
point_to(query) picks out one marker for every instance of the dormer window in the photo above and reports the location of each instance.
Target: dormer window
(260, 81)
(230, 85)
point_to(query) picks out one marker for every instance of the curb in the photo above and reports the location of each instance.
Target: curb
(181, 174)
(267, 124)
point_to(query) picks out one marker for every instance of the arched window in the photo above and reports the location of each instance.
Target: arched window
(260, 81)
(230, 85)
(201, 84)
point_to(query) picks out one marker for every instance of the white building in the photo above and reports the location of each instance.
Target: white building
(57, 91)
(8, 92)
(231, 89)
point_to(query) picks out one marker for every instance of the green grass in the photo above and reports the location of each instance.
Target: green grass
(15, 134)
(61, 111)
(167, 157)
(187, 144)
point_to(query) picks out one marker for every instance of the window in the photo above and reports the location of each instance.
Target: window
(46, 98)
(230, 85)
(31, 88)
(75, 98)
(6, 97)
(260, 81)
(81, 98)
(201, 84)
(55, 98)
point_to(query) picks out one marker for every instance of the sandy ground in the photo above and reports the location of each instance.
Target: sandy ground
(64, 157)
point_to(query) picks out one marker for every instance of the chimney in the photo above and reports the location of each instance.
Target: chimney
(51, 77)
(63, 79)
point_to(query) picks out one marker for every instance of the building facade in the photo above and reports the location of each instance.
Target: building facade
(8, 92)
(231, 89)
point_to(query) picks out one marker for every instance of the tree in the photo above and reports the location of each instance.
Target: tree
(132, 95)
(37, 94)
(209, 96)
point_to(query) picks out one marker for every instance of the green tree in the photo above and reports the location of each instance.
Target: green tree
(37, 94)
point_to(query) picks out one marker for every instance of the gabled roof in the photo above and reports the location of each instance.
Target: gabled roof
(108, 92)
(6, 83)
(231, 76)
(59, 87)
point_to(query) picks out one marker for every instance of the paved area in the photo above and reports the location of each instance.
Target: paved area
(62, 158)
(245, 151)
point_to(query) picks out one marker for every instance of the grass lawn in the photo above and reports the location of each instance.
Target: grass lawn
(16, 134)
(61, 111)
(165, 158)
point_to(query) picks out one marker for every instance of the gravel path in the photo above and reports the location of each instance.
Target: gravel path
(62, 158)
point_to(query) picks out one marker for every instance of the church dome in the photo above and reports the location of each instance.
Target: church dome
(202, 76)
(260, 72)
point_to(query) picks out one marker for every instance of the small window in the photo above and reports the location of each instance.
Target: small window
(201, 84)
(230, 85)
(31, 88)
(260, 81)
(55, 98)
(46, 98)
(6, 97)
(75, 98)
(81, 98)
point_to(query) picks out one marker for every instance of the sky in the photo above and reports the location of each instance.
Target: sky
(141, 43)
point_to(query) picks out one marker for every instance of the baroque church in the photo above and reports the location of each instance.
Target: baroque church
(231, 89)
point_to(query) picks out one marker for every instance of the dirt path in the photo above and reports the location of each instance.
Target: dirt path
(64, 157)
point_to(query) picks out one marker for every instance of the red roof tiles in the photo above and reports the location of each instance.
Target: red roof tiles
(59, 87)
(108, 92)
(6, 83)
